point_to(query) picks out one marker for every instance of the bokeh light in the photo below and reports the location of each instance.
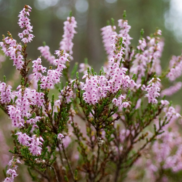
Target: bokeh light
(173, 18)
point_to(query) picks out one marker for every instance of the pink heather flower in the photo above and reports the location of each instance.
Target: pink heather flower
(35, 98)
(45, 52)
(172, 90)
(119, 102)
(119, 79)
(69, 30)
(152, 53)
(153, 90)
(38, 69)
(24, 22)
(124, 32)
(139, 66)
(11, 172)
(66, 141)
(33, 120)
(142, 44)
(35, 145)
(95, 89)
(159, 32)
(171, 114)
(60, 136)
(164, 102)
(15, 115)
(175, 68)
(158, 48)
(168, 150)
(5, 93)
(53, 76)
(23, 138)
(108, 37)
(23, 103)
(138, 104)
(8, 179)
(13, 50)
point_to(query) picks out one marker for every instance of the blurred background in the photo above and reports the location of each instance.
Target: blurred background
(47, 18)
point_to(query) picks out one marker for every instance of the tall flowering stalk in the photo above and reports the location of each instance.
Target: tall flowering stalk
(98, 126)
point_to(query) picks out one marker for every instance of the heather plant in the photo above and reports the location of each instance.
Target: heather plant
(94, 127)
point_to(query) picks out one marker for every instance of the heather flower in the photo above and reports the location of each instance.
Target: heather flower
(24, 22)
(11, 172)
(38, 69)
(124, 32)
(60, 136)
(95, 89)
(175, 68)
(23, 138)
(119, 79)
(119, 102)
(13, 50)
(172, 90)
(5, 93)
(69, 30)
(15, 115)
(45, 52)
(153, 90)
(108, 35)
(142, 44)
(35, 145)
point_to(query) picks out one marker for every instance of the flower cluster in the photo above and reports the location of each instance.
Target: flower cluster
(172, 90)
(23, 105)
(69, 30)
(124, 32)
(11, 172)
(95, 89)
(5, 91)
(24, 22)
(53, 76)
(153, 90)
(33, 143)
(175, 68)
(13, 50)
(119, 102)
(45, 52)
(108, 34)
